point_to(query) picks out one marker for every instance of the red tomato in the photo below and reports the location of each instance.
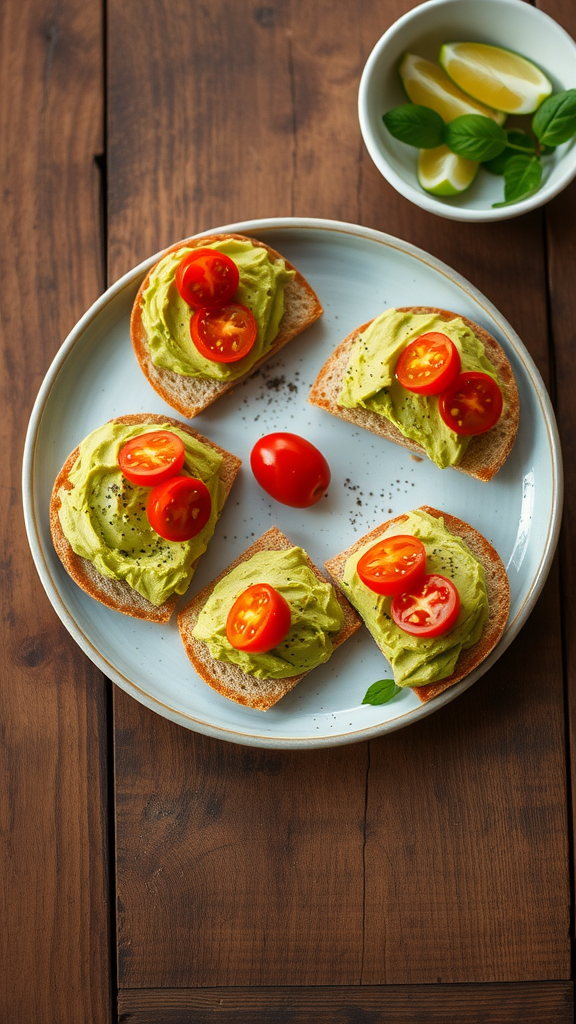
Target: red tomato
(207, 278)
(393, 565)
(429, 609)
(290, 469)
(226, 334)
(179, 508)
(151, 458)
(258, 620)
(429, 364)
(472, 404)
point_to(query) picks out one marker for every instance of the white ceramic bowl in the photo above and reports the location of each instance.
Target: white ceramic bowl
(510, 23)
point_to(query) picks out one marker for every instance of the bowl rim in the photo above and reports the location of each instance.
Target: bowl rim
(416, 195)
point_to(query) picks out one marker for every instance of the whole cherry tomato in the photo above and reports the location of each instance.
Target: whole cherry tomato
(258, 620)
(429, 364)
(149, 459)
(428, 609)
(207, 278)
(393, 565)
(226, 334)
(472, 404)
(179, 508)
(290, 469)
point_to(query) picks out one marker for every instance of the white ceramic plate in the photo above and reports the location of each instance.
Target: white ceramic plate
(357, 273)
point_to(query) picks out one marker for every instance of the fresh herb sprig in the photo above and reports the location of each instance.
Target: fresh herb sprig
(381, 692)
(515, 154)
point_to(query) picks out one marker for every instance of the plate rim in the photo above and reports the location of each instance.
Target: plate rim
(244, 736)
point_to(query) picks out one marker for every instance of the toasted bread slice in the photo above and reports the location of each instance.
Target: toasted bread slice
(230, 680)
(497, 586)
(485, 454)
(118, 594)
(190, 395)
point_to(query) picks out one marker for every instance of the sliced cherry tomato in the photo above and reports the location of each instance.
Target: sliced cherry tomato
(179, 508)
(472, 404)
(224, 335)
(207, 278)
(290, 469)
(429, 364)
(429, 609)
(151, 458)
(258, 620)
(393, 565)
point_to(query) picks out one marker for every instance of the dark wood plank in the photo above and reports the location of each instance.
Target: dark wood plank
(461, 845)
(242, 863)
(561, 239)
(544, 1003)
(54, 939)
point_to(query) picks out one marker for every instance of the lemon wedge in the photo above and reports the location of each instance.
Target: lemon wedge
(499, 78)
(427, 84)
(444, 173)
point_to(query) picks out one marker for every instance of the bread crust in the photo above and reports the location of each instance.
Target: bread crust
(485, 454)
(118, 594)
(497, 585)
(190, 395)
(230, 680)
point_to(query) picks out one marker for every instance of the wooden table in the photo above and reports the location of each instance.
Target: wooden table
(154, 875)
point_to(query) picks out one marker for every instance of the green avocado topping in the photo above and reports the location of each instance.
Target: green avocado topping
(315, 611)
(166, 317)
(104, 518)
(416, 661)
(370, 380)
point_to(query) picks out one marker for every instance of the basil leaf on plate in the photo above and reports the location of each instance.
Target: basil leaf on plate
(381, 692)
(555, 120)
(522, 178)
(415, 125)
(475, 137)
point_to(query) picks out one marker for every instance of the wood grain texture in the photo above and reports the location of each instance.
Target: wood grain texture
(234, 863)
(561, 243)
(543, 1003)
(438, 852)
(54, 939)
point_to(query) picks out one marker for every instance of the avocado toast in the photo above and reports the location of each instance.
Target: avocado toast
(190, 394)
(497, 591)
(229, 679)
(485, 453)
(113, 592)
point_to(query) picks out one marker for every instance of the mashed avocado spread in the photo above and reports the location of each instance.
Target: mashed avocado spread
(370, 382)
(104, 516)
(315, 614)
(166, 317)
(416, 661)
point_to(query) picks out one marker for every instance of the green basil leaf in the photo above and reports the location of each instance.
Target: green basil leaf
(381, 692)
(555, 120)
(415, 125)
(522, 178)
(498, 163)
(475, 137)
(518, 139)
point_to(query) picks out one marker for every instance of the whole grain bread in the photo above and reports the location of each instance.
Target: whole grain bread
(118, 594)
(190, 395)
(497, 586)
(230, 680)
(485, 454)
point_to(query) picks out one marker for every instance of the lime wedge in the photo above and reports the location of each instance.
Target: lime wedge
(499, 78)
(427, 84)
(444, 173)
